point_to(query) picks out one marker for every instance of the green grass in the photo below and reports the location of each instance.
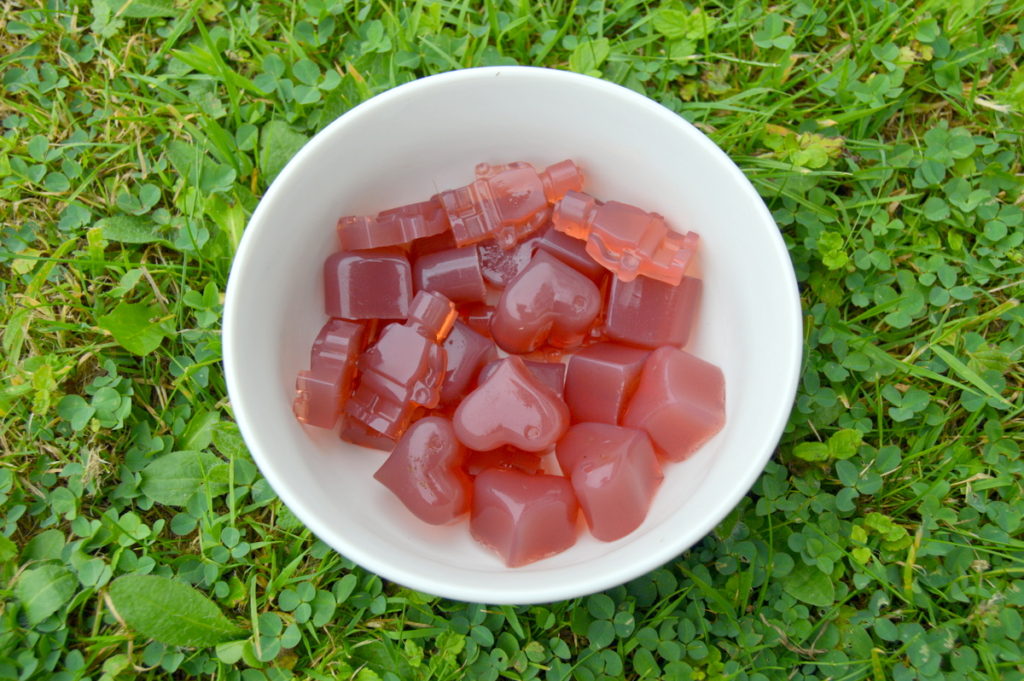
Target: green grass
(884, 541)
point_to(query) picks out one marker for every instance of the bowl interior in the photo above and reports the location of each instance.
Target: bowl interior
(420, 138)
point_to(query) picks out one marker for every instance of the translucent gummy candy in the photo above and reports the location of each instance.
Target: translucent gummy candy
(454, 273)
(573, 252)
(680, 402)
(507, 458)
(507, 202)
(600, 381)
(467, 353)
(549, 301)
(627, 240)
(393, 227)
(500, 265)
(512, 407)
(522, 517)
(373, 284)
(651, 313)
(405, 368)
(551, 374)
(321, 392)
(614, 473)
(425, 472)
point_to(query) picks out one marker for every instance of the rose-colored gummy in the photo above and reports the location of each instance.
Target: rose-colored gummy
(650, 313)
(374, 284)
(358, 433)
(680, 402)
(467, 351)
(512, 407)
(508, 458)
(454, 273)
(321, 392)
(477, 316)
(548, 302)
(600, 379)
(614, 473)
(573, 252)
(522, 517)
(627, 240)
(405, 368)
(393, 227)
(501, 265)
(551, 374)
(507, 202)
(425, 472)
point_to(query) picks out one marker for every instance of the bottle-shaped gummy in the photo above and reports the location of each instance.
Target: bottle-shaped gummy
(405, 368)
(507, 202)
(627, 240)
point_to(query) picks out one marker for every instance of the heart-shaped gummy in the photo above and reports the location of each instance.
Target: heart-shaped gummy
(425, 472)
(547, 301)
(511, 407)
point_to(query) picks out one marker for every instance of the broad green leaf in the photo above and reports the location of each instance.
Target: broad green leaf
(811, 451)
(278, 143)
(132, 327)
(130, 229)
(173, 478)
(44, 590)
(199, 433)
(228, 440)
(810, 585)
(382, 656)
(147, 9)
(75, 410)
(8, 549)
(589, 55)
(170, 612)
(844, 443)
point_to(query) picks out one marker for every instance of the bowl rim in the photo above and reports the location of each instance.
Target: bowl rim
(538, 592)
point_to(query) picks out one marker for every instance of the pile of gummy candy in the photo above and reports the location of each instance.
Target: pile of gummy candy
(472, 334)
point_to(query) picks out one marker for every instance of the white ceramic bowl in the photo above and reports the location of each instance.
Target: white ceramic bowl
(403, 146)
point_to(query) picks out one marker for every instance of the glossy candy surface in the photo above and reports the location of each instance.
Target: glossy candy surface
(573, 252)
(522, 517)
(601, 379)
(650, 313)
(508, 458)
(358, 433)
(392, 227)
(373, 284)
(467, 352)
(548, 302)
(507, 202)
(627, 240)
(551, 374)
(512, 407)
(425, 472)
(680, 402)
(405, 368)
(501, 265)
(321, 392)
(455, 273)
(614, 473)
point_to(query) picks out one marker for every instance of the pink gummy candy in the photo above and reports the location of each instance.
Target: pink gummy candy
(522, 517)
(614, 473)
(600, 381)
(321, 392)
(625, 239)
(501, 265)
(551, 374)
(358, 433)
(425, 472)
(455, 273)
(573, 252)
(508, 458)
(405, 368)
(467, 352)
(373, 284)
(512, 407)
(651, 313)
(680, 402)
(393, 227)
(507, 202)
(549, 301)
